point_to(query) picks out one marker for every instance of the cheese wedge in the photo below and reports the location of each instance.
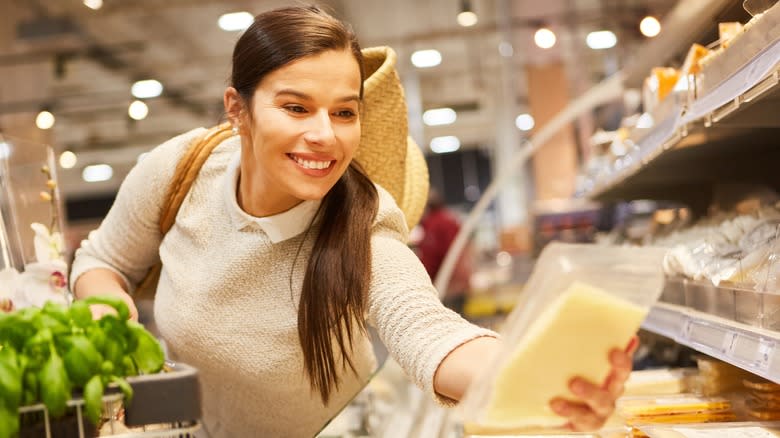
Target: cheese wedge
(572, 337)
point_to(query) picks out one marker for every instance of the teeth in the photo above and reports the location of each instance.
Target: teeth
(310, 164)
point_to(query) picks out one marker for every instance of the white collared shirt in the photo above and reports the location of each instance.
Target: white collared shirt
(278, 227)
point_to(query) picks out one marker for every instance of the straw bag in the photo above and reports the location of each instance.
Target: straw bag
(186, 171)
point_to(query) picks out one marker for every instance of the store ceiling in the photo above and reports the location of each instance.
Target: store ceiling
(82, 62)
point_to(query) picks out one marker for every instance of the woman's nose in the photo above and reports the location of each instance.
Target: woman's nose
(320, 129)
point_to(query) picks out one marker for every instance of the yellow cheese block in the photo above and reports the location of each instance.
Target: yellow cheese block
(693, 58)
(572, 337)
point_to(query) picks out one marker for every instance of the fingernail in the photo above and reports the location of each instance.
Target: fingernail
(577, 387)
(557, 405)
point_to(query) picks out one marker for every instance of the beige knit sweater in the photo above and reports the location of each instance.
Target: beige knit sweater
(228, 295)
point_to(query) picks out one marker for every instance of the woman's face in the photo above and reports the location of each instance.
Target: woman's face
(304, 130)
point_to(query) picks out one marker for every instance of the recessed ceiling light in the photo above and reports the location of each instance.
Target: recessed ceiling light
(426, 58)
(442, 145)
(545, 38)
(93, 4)
(138, 110)
(44, 120)
(235, 21)
(97, 173)
(439, 116)
(68, 160)
(602, 39)
(650, 26)
(525, 122)
(146, 89)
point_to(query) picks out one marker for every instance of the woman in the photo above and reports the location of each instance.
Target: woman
(284, 248)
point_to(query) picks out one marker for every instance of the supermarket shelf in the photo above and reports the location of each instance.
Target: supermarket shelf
(714, 139)
(752, 348)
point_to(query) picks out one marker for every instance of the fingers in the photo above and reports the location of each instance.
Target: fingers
(621, 370)
(581, 417)
(100, 310)
(633, 344)
(600, 401)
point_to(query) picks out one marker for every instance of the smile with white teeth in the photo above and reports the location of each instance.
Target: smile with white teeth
(311, 164)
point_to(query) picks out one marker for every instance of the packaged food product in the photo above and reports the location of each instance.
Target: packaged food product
(580, 302)
(672, 405)
(695, 54)
(727, 430)
(759, 384)
(660, 381)
(716, 377)
(728, 31)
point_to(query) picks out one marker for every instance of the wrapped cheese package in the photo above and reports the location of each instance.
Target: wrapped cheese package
(580, 302)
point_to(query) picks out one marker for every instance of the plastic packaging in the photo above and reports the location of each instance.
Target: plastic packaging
(543, 349)
(725, 430)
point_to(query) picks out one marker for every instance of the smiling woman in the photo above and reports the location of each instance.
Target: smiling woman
(290, 241)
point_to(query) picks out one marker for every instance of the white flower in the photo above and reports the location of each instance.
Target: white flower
(42, 282)
(9, 283)
(48, 246)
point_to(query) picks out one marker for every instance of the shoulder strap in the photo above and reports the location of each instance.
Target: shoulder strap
(187, 170)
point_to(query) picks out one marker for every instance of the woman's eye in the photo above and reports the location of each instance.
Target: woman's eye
(347, 114)
(296, 109)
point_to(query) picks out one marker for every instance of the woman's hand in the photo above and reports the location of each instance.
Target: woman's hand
(597, 403)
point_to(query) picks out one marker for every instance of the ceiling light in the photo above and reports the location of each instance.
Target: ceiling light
(649, 26)
(467, 17)
(44, 120)
(235, 21)
(442, 145)
(5, 150)
(505, 49)
(97, 173)
(138, 110)
(93, 4)
(146, 89)
(545, 38)
(68, 159)
(524, 122)
(602, 39)
(426, 58)
(439, 116)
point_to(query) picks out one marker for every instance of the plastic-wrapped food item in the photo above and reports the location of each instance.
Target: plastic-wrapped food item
(688, 404)
(728, 31)
(716, 377)
(761, 385)
(728, 430)
(658, 85)
(581, 301)
(660, 381)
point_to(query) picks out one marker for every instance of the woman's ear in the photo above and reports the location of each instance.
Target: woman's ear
(233, 106)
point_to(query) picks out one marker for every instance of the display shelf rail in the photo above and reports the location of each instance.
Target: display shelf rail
(728, 115)
(749, 347)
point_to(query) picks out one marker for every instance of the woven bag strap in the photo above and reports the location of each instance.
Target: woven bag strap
(187, 170)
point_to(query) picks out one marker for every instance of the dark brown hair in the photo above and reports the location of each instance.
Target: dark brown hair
(335, 286)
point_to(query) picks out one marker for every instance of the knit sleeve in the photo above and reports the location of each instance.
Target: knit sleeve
(415, 327)
(128, 239)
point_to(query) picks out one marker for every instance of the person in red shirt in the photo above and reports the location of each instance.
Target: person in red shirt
(440, 226)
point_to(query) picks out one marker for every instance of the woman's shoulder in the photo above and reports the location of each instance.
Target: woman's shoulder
(169, 153)
(389, 218)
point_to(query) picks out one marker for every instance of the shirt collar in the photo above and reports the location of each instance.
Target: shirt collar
(278, 227)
